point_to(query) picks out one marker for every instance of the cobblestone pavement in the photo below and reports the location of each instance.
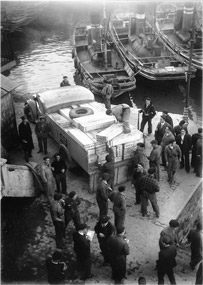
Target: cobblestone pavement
(143, 233)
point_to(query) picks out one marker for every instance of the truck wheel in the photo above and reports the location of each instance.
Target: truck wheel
(65, 155)
(80, 112)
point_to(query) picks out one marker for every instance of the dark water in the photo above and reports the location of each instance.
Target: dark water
(43, 64)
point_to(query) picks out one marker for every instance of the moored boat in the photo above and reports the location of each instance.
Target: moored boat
(174, 24)
(97, 59)
(145, 50)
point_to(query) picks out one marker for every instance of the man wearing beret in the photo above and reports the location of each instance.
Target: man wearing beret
(148, 112)
(104, 229)
(166, 261)
(149, 186)
(102, 194)
(118, 250)
(42, 132)
(119, 206)
(170, 232)
(71, 209)
(82, 250)
(25, 134)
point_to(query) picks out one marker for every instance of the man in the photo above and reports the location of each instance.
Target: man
(195, 239)
(138, 173)
(177, 129)
(108, 167)
(142, 280)
(42, 132)
(59, 168)
(185, 143)
(119, 206)
(170, 232)
(160, 129)
(172, 157)
(107, 93)
(102, 194)
(155, 158)
(25, 134)
(195, 137)
(122, 114)
(167, 118)
(56, 268)
(65, 82)
(47, 177)
(118, 250)
(82, 250)
(71, 204)
(104, 229)
(140, 156)
(149, 187)
(199, 158)
(148, 114)
(57, 214)
(166, 261)
(168, 136)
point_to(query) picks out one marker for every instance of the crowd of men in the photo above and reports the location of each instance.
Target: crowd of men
(171, 146)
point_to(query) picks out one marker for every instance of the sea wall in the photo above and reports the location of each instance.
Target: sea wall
(190, 213)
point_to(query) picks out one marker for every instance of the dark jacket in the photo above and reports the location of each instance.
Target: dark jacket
(55, 272)
(81, 246)
(42, 129)
(160, 131)
(187, 143)
(107, 230)
(195, 238)
(139, 158)
(25, 133)
(58, 166)
(119, 203)
(169, 120)
(167, 259)
(148, 111)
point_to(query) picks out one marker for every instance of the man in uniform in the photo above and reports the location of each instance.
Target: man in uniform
(104, 229)
(25, 134)
(65, 82)
(122, 114)
(155, 158)
(119, 206)
(147, 116)
(118, 250)
(59, 168)
(42, 132)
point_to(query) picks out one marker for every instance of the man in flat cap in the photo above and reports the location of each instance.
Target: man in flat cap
(82, 250)
(119, 206)
(195, 239)
(149, 186)
(139, 155)
(148, 113)
(102, 194)
(104, 229)
(166, 261)
(71, 204)
(170, 232)
(65, 81)
(118, 250)
(25, 134)
(155, 158)
(42, 132)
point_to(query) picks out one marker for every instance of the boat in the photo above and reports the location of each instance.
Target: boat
(144, 49)
(175, 24)
(97, 59)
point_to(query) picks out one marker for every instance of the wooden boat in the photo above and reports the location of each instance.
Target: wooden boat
(97, 59)
(145, 50)
(174, 24)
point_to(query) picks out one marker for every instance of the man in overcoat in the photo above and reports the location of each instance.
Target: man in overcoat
(185, 143)
(25, 134)
(102, 194)
(118, 250)
(160, 129)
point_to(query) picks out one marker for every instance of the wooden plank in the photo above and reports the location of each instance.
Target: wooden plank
(134, 136)
(81, 138)
(101, 123)
(110, 132)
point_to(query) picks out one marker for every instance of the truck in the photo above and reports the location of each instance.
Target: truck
(85, 134)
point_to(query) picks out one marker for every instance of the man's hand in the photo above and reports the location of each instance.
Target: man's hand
(62, 170)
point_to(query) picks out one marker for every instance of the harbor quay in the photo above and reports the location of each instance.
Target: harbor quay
(33, 234)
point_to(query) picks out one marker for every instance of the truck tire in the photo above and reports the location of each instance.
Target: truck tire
(80, 112)
(65, 155)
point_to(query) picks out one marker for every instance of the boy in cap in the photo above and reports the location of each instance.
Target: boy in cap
(82, 250)
(102, 194)
(71, 204)
(149, 186)
(169, 232)
(25, 134)
(119, 206)
(148, 112)
(104, 229)
(118, 250)
(65, 81)
(166, 261)
(42, 132)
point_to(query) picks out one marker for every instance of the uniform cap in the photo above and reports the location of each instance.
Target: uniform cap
(82, 227)
(151, 170)
(174, 223)
(121, 188)
(104, 219)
